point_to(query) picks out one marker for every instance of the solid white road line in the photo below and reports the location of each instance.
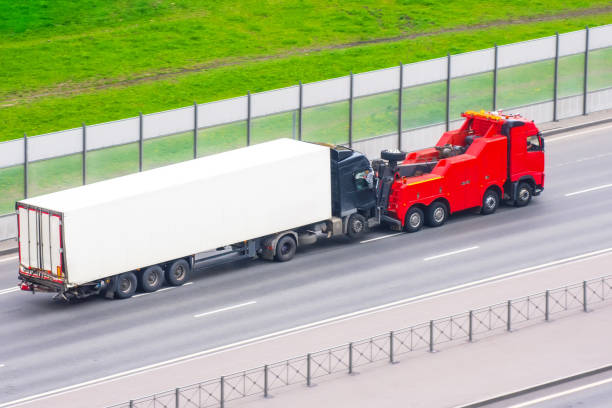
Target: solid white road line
(159, 290)
(9, 290)
(588, 190)
(557, 138)
(223, 309)
(383, 237)
(431, 258)
(305, 327)
(561, 394)
(9, 258)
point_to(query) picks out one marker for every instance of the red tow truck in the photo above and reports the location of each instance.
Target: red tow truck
(492, 157)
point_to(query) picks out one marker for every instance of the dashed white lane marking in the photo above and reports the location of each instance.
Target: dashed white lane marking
(159, 290)
(561, 394)
(9, 258)
(2, 365)
(223, 309)
(556, 139)
(9, 290)
(383, 237)
(588, 190)
(431, 258)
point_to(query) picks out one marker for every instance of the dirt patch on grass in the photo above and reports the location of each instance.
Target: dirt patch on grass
(68, 89)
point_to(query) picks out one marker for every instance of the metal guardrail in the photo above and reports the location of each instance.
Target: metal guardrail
(500, 317)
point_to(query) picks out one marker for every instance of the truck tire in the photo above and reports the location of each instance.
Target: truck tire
(414, 220)
(356, 226)
(285, 249)
(490, 202)
(151, 278)
(524, 192)
(393, 155)
(126, 285)
(178, 272)
(437, 214)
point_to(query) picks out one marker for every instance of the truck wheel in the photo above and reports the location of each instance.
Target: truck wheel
(437, 214)
(151, 279)
(356, 225)
(178, 272)
(285, 248)
(126, 285)
(490, 202)
(523, 194)
(393, 155)
(414, 220)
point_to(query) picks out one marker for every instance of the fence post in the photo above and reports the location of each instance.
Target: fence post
(248, 133)
(308, 370)
(351, 111)
(431, 336)
(222, 392)
(391, 347)
(509, 318)
(140, 136)
(400, 95)
(470, 332)
(586, 70)
(350, 364)
(495, 59)
(293, 124)
(584, 296)
(131, 403)
(84, 160)
(176, 397)
(448, 79)
(556, 81)
(546, 305)
(25, 165)
(195, 130)
(266, 381)
(301, 108)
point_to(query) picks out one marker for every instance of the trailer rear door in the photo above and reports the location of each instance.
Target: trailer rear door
(40, 243)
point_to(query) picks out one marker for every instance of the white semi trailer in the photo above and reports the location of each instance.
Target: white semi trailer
(140, 230)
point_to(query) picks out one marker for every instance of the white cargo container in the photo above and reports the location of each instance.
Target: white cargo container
(259, 200)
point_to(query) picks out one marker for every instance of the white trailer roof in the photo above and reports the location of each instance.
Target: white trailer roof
(182, 173)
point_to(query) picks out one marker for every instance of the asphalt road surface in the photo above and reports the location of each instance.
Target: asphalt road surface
(47, 344)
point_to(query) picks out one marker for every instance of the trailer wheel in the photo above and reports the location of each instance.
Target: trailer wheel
(178, 272)
(437, 214)
(357, 225)
(126, 285)
(414, 220)
(523, 194)
(490, 202)
(151, 279)
(285, 248)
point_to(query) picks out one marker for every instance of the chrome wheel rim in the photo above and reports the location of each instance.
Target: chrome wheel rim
(524, 194)
(490, 202)
(152, 278)
(438, 214)
(415, 220)
(357, 226)
(125, 285)
(179, 272)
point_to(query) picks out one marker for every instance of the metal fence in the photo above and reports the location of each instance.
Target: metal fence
(407, 106)
(463, 327)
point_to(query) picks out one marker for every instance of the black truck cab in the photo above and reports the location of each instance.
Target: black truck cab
(353, 183)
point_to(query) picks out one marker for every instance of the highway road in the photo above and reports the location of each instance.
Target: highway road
(48, 344)
(593, 391)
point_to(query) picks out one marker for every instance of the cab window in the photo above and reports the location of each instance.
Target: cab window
(363, 179)
(533, 144)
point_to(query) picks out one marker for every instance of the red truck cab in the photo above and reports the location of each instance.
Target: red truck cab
(490, 158)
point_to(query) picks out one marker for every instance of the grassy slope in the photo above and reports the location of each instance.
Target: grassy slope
(373, 115)
(51, 48)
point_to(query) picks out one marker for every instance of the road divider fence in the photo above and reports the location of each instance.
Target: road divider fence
(344, 359)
